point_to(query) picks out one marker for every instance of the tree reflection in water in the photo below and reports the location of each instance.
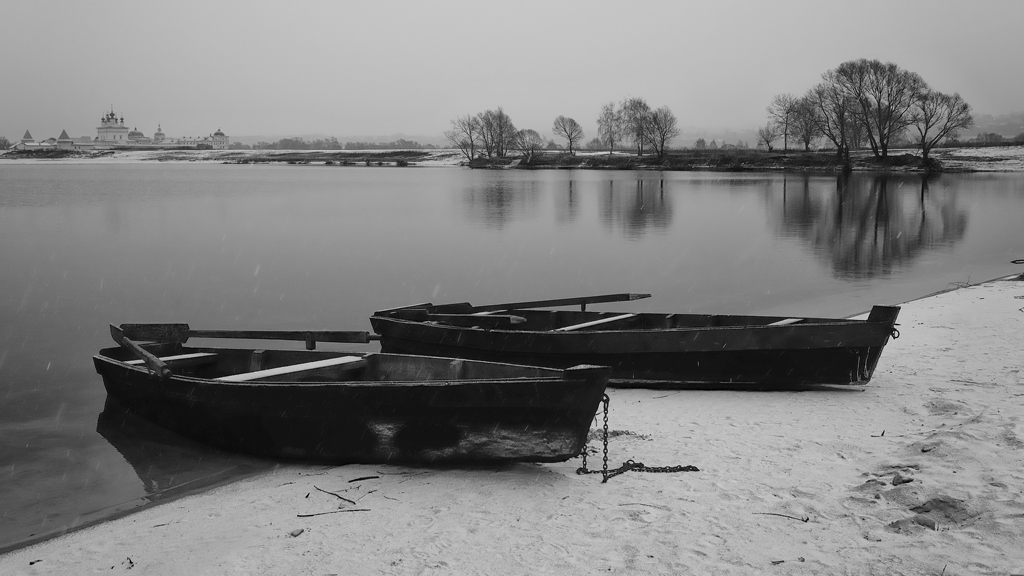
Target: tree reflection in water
(869, 224)
(501, 201)
(567, 205)
(636, 210)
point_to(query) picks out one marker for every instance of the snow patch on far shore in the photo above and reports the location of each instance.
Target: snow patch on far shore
(438, 157)
(989, 159)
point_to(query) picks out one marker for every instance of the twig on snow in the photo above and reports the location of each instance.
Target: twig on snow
(333, 494)
(333, 512)
(804, 519)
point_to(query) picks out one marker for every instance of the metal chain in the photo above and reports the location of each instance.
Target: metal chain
(604, 471)
(628, 465)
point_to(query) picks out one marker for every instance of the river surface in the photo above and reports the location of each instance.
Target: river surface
(320, 247)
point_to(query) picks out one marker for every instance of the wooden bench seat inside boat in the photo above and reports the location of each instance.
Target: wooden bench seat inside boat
(594, 323)
(182, 360)
(326, 369)
(786, 322)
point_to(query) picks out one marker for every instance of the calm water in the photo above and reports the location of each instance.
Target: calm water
(313, 247)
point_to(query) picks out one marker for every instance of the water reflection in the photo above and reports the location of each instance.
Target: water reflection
(868, 225)
(500, 201)
(637, 208)
(167, 463)
(567, 204)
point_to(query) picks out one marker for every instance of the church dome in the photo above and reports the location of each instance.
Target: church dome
(218, 133)
(135, 134)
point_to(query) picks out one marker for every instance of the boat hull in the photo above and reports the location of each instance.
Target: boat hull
(813, 352)
(540, 417)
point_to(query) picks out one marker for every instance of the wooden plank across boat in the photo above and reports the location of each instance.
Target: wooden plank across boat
(651, 350)
(354, 407)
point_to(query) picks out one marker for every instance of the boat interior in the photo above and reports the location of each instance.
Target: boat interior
(241, 365)
(574, 320)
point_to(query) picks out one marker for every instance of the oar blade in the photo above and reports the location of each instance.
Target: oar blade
(156, 332)
(117, 334)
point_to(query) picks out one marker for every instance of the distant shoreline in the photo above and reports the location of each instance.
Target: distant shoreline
(968, 159)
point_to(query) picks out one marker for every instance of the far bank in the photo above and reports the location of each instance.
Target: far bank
(964, 159)
(736, 160)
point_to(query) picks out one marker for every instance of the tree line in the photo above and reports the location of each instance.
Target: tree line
(866, 104)
(331, 143)
(631, 122)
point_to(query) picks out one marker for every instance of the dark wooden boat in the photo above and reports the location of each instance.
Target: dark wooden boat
(647, 350)
(352, 407)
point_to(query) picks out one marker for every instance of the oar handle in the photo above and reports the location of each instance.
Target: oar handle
(348, 337)
(578, 301)
(181, 333)
(156, 365)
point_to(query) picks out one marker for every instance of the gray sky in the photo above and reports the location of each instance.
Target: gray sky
(383, 68)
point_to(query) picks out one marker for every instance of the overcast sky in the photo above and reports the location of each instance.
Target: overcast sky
(384, 68)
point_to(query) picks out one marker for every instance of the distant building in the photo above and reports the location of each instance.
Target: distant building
(65, 142)
(111, 130)
(29, 143)
(216, 141)
(113, 134)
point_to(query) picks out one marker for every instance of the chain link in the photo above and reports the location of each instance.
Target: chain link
(628, 465)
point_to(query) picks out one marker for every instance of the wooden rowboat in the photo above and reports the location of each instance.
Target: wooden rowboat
(648, 350)
(352, 407)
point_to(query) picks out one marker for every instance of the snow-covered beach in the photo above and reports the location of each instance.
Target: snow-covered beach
(919, 472)
(982, 159)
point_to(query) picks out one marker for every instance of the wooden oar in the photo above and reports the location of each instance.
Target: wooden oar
(152, 362)
(581, 301)
(386, 310)
(491, 321)
(181, 333)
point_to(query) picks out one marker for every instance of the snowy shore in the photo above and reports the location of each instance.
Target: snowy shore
(432, 157)
(919, 472)
(992, 159)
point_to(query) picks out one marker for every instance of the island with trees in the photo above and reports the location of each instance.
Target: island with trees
(864, 114)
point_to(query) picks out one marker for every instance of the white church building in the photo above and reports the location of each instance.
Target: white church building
(113, 134)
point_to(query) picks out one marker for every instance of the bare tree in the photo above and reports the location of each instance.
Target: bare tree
(834, 113)
(767, 134)
(529, 141)
(804, 128)
(497, 133)
(464, 135)
(661, 128)
(936, 116)
(569, 129)
(4, 143)
(782, 112)
(635, 113)
(885, 94)
(595, 144)
(609, 126)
